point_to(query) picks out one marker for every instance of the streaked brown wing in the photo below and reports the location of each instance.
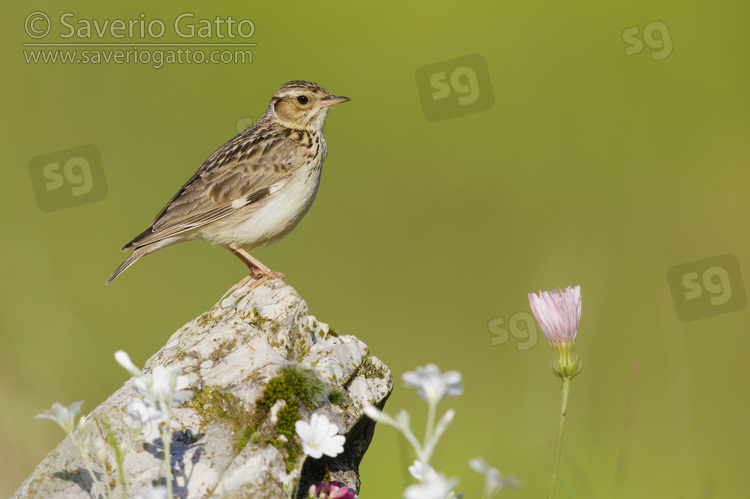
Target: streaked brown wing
(243, 168)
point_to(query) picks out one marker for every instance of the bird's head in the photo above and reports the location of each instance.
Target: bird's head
(302, 105)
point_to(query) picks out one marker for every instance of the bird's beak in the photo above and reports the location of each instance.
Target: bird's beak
(333, 100)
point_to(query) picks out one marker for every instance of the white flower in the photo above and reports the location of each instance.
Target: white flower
(123, 359)
(494, 481)
(319, 437)
(63, 416)
(422, 471)
(162, 389)
(431, 385)
(163, 386)
(437, 488)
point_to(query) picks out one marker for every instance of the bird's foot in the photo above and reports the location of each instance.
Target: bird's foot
(241, 283)
(267, 273)
(258, 275)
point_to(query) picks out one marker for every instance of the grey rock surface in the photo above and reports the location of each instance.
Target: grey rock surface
(229, 353)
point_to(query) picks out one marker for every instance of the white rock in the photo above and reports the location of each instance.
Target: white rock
(229, 354)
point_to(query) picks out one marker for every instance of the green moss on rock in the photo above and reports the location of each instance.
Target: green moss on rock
(336, 397)
(295, 385)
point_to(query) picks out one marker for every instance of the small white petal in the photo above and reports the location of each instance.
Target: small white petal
(437, 488)
(81, 429)
(101, 451)
(479, 465)
(373, 413)
(494, 480)
(402, 419)
(123, 359)
(422, 472)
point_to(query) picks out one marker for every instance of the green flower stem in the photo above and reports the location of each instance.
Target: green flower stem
(563, 412)
(118, 455)
(166, 436)
(429, 429)
(295, 490)
(84, 451)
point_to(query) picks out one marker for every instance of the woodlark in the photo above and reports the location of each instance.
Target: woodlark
(255, 188)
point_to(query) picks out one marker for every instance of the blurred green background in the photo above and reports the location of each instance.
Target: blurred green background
(591, 167)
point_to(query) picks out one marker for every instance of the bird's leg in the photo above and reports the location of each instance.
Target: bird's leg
(255, 266)
(256, 269)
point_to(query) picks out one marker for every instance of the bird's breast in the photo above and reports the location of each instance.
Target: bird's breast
(279, 214)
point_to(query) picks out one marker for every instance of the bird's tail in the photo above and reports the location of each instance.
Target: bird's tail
(130, 260)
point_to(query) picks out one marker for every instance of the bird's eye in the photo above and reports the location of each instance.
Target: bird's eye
(302, 99)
